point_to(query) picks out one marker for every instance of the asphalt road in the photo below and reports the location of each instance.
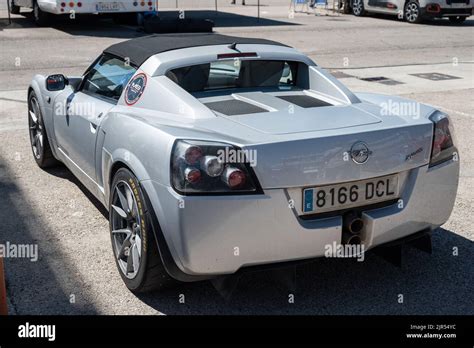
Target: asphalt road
(75, 272)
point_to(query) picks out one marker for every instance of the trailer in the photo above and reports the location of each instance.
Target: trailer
(43, 10)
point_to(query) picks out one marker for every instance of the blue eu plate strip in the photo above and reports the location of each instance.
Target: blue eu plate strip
(308, 200)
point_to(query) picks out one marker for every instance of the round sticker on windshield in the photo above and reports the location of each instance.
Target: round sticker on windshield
(135, 89)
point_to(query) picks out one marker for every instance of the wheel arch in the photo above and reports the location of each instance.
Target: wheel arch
(169, 262)
(112, 162)
(38, 85)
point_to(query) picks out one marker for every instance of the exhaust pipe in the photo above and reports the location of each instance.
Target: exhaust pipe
(353, 223)
(349, 238)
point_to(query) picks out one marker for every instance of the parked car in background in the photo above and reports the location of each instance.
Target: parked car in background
(415, 11)
(43, 10)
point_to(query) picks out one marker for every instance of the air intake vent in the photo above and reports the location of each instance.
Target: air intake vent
(304, 101)
(234, 107)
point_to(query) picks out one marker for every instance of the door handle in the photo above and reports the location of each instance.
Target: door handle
(100, 115)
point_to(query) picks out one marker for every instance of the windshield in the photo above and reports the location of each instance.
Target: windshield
(231, 74)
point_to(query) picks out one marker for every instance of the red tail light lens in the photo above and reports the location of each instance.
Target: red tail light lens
(192, 175)
(234, 178)
(193, 154)
(202, 167)
(443, 143)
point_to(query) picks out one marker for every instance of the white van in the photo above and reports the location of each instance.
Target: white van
(44, 9)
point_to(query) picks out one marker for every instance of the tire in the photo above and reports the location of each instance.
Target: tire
(132, 234)
(346, 6)
(38, 138)
(412, 12)
(457, 20)
(41, 17)
(358, 8)
(14, 9)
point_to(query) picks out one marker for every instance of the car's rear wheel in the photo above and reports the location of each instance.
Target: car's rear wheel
(41, 17)
(132, 233)
(14, 9)
(457, 19)
(38, 138)
(412, 12)
(358, 8)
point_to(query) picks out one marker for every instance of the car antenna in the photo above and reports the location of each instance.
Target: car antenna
(233, 46)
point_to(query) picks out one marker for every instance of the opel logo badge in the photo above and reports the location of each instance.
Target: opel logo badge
(360, 152)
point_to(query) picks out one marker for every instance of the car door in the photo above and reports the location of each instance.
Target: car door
(77, 131)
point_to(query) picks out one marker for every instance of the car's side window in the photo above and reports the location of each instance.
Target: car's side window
(107, 78)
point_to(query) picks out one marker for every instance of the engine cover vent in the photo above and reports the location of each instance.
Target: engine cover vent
(234, 107)
(304, 101)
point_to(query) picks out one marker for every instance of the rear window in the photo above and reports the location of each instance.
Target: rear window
(232, 74)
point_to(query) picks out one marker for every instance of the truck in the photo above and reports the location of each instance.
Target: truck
(43, 10)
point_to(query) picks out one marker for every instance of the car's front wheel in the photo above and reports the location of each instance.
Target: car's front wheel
(457, 19)
(38, 138)
(132, 233)
(358, 8)
(412, 12)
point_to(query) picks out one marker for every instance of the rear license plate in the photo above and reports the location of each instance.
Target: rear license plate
(350, 194)
(107, 6)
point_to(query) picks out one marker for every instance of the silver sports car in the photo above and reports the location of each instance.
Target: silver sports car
(215, 153)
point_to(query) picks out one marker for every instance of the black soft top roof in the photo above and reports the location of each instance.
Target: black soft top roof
(139, 50)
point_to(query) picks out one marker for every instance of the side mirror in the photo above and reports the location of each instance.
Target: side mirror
(56, 82)
(74, 82)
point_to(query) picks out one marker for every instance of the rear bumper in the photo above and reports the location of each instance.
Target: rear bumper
(216, 235)
(439, 12)
(91, 7)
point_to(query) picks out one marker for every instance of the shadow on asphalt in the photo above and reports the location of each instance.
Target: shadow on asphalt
(227, 19)
(82, 25)
(35, 282)
(64, 173)
(436, 284)
(437, 21)
(104, 27)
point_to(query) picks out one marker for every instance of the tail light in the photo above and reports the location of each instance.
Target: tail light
(234, 178)
(443, 147)
(201, 167)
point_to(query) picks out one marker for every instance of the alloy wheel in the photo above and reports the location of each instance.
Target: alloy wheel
(357, 7)
(126, 229)
(36, 128)
(412, 12)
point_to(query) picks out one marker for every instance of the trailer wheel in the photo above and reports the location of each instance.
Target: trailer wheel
(14, 9)
(41, 17)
